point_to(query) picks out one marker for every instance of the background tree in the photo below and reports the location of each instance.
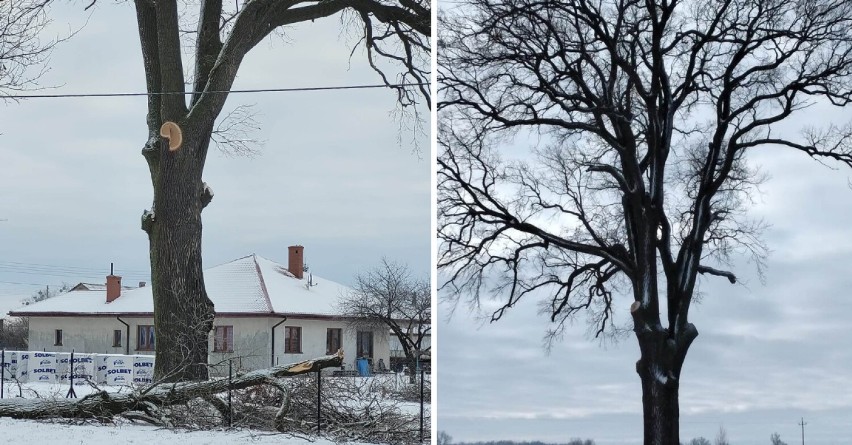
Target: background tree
(699, 441)
(721, 437)
(444, 438)
(47, 292)
(23, 52)
(14, 333)
(388, 297)
(775, 438)
(395, 32)
(641, 116)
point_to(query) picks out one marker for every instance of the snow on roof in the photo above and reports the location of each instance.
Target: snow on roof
(310, 295)
(9, 303)
(249, 285)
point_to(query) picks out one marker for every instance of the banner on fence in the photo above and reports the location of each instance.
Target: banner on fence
(56, 367)
(42, 367)
(143, 369)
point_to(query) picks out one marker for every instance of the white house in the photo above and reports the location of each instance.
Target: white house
(266, 314)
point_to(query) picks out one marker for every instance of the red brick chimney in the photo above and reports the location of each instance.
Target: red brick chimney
(113, 286)
(296, 264)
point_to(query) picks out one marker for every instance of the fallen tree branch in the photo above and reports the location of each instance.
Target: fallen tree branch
(105, 405)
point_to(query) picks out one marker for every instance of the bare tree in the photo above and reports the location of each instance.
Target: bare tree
(699, 441)
(23, 52)
(721, 437)
(47, 292)
(775, 438)
(444, 438)
(388, 297)
(14, 333)
(641, 115)
(180, 131)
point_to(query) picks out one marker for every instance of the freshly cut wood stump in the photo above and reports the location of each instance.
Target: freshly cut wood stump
(172, 132)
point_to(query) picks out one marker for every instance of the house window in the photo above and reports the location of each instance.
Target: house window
(223, 339)
(292, 340)
(116, 338)
(332, 340)
(58, 338)
(365, 344)
(145, 341)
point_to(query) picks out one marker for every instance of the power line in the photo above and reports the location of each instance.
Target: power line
(186, 93)
(29, 284)
(36, 266)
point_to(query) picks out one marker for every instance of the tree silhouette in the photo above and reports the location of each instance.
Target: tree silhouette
(641, 116)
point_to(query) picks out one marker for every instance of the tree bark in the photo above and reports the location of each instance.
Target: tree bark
(183, 313)
(662, 356)
(660, 409)
(104, 405)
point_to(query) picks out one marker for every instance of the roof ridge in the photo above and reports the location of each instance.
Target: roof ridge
(229, 262)
(262, 283)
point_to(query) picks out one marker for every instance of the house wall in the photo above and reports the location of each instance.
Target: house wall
(85, 334)
(251, 344)
(251, 339)
(314, 342)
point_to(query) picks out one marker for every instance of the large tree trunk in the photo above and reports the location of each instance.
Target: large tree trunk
(659, 368)
(105, 405)
(183, 313)
(660, 410)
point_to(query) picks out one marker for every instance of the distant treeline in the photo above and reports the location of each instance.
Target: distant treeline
(511, 442)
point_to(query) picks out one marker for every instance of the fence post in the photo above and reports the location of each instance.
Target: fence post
(71, 392)
(319, 401)
(2, 371)
(421, 397)
(230, 383)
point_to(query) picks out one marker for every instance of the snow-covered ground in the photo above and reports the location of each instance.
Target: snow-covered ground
(14, 431)
(26, 431)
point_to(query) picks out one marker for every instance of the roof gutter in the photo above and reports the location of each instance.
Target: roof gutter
(127, 337)
(272, 358)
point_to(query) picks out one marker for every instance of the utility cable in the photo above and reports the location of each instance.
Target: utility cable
(185, 93)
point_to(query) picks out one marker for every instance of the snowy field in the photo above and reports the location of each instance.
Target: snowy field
(127, 432)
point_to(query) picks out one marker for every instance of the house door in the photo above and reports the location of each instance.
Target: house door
(365, 344)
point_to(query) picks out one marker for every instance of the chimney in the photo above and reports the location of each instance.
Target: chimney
(296, 264)
(113, 286)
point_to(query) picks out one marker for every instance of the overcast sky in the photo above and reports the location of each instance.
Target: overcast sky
(336, 173)
(766, 356)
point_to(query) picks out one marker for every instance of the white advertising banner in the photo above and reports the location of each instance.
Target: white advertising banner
(21, 373)
(84, 368)
(10, 365)
(100, 368)
(62, 366)
(119, 370)
(143, 369)
(42, 367)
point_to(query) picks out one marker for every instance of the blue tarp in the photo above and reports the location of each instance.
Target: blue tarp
(363, 367)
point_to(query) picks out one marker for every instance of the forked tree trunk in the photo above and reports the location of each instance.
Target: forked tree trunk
(183, 313)
(659, 369)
